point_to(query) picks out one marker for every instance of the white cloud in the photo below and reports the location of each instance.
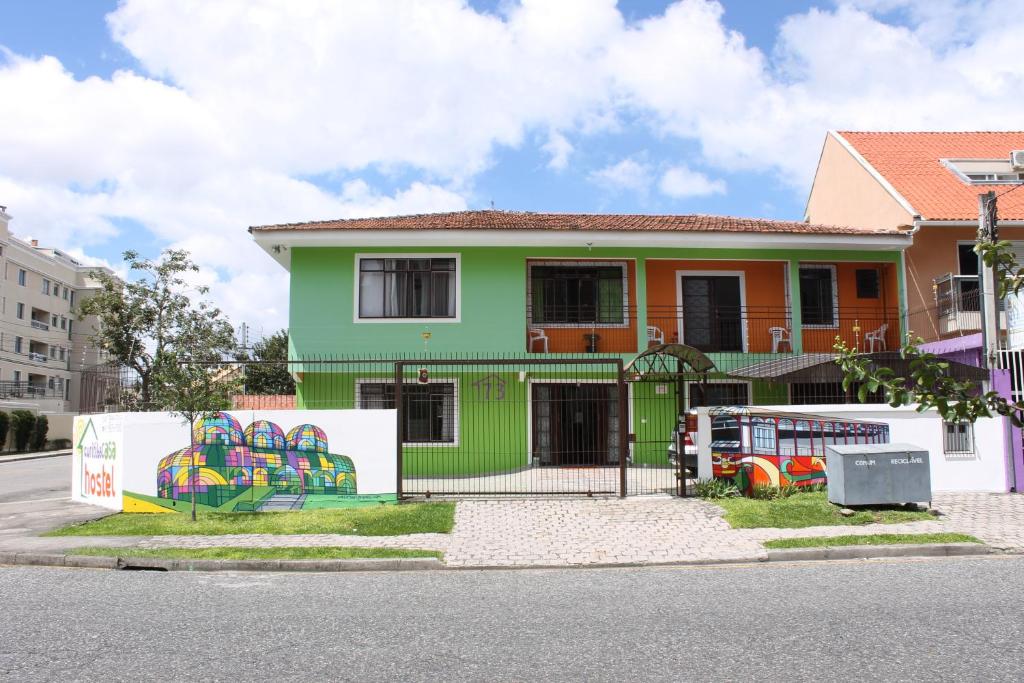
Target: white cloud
(627, 174)
(236, 102)
(559, 148)
(680, 182)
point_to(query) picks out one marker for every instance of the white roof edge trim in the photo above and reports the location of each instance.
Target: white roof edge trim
(450, 239)
(900, 199)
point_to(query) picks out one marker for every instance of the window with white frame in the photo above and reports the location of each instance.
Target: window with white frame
(958, 438)
(408, 287)
(46, 286)
(578, 293)
(819, 297)
(17, 344)
(22, 276)
(19, 311)
(429, 411)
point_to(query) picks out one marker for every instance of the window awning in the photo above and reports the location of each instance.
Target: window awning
(822, 368)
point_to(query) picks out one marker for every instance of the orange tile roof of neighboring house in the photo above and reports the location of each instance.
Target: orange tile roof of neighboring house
(911, 163)
(526, 220)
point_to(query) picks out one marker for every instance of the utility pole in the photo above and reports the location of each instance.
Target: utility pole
(988, 231)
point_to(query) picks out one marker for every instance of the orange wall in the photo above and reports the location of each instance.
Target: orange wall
(765, 296)
(613, 339)
(934, 254)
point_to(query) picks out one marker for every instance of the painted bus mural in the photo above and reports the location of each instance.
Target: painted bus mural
(754, 447)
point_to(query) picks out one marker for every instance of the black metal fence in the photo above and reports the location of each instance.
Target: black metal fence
(583, 424)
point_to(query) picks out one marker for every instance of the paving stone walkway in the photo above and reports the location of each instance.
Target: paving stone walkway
(585, 531)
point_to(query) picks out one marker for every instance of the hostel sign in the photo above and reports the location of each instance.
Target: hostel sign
(97, 460)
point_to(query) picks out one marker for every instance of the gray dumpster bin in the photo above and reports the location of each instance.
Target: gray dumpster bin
(878, 474)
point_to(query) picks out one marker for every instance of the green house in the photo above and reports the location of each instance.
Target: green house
(562, 300)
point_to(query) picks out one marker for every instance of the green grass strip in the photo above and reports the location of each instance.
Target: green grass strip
(807, 509)
(233, 553)
(876, 539)
(381, 520)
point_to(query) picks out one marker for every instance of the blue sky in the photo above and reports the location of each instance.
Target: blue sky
(150, 124)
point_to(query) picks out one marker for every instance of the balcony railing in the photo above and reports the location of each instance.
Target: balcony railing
(958, 304)
(40, 325)
(713, 329)
(11, 389)
(38, 357)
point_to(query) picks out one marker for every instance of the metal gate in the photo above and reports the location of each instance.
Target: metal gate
(518, 426)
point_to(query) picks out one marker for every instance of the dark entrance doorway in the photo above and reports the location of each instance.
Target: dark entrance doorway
(575, 424)
(712, 319)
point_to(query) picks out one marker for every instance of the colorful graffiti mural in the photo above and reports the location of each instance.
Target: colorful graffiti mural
(752, 448)
(255, 468)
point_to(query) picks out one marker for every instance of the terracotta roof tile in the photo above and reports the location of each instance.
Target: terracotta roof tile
(911, 163)
(524, 220)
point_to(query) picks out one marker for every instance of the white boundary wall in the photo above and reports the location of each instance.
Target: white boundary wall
(117, 452)
(984, 470)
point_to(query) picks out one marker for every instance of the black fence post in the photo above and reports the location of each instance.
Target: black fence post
(623, 426)
(399, 372)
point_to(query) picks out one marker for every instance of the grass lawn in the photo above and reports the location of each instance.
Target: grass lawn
(382, 520)
(298, 553)
(806, 509)
(879, 539)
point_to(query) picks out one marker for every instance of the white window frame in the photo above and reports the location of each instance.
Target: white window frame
(946, 424)
(835, 295)
(19, 310)
(46, 286)
(742, 275)
(432, 321)
(456, 416)
(530, 263)
(22, 277)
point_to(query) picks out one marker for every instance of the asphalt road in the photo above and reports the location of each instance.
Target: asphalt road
(896, 620)
(35, 495)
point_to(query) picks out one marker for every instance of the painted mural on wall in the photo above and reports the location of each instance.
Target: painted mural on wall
(282, 460)
(277, 470)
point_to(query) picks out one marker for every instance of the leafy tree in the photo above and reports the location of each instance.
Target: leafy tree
(146, 322)
(270, 375)
(5, 423)
(194, 387)
(929, 384)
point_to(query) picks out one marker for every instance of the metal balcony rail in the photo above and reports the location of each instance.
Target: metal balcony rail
(22, 389)
(38, 357)
(710, 328)
(40, 325)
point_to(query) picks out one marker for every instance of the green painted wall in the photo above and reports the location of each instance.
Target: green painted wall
(493, 296)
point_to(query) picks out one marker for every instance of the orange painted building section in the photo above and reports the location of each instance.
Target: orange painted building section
(611, 338)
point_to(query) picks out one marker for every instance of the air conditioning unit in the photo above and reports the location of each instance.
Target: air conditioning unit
(1017, 159)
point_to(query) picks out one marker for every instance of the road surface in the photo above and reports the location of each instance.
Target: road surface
(950, 619)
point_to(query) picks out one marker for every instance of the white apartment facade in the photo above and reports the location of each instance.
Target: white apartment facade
(43, 346)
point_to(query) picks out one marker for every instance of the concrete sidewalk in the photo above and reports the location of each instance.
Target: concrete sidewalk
(580, 532)
(18, 457)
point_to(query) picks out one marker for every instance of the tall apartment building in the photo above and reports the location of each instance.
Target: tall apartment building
(43, 346)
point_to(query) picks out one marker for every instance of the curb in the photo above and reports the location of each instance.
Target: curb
(33, 456)
(429, 563)
(175, 565)
(869, 552)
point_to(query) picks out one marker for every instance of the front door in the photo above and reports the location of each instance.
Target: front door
(575, 424)
(712, 316)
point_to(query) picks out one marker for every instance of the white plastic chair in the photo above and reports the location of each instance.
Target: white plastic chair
(655, 335)
(780, 336)
(876, 336)
(537, 335)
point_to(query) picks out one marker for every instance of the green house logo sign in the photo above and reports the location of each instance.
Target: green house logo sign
(97, 463)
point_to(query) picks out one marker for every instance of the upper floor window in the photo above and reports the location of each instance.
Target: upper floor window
(408, 287)
(46, 286)
(65, 294)
(818, 295)
(72, 298)
(19, 310)
(573, 293)
(21, 277)
(17, 344)
(868, 283)
(995, 178)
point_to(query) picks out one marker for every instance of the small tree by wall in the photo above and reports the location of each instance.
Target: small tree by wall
(23, 423)
(39, 432)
